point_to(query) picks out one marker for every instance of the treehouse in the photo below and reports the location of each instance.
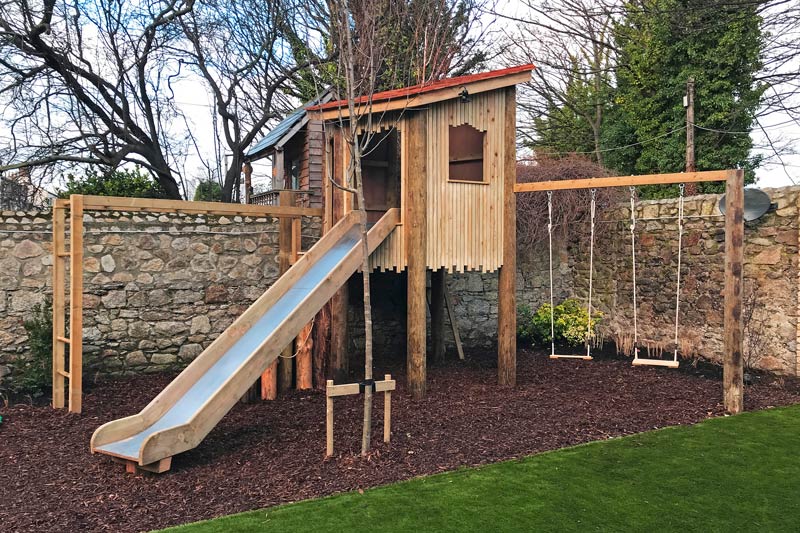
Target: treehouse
(444, 155)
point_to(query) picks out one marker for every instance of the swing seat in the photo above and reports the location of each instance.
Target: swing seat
(655, 362)
(584, 357)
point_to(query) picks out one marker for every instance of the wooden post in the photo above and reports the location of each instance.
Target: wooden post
(59, 271)
(285, 259)
(732, 378)
(329, 422)
(76, 303)
(247, 169)
(691, 188)
(304, 346)
(437, 313)
(415, 228)
(339, 361)
(507, 285)
(387, 412)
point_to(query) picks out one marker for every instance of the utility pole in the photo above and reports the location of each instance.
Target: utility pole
(688, 103)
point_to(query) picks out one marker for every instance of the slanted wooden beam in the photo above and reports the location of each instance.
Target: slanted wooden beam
(733, 373)
(507, 283)
(622, 181)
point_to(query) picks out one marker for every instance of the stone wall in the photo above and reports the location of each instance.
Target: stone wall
(771, 280)
(772, 288)
(157, 288)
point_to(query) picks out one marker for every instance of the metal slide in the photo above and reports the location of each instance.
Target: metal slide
(188, 408)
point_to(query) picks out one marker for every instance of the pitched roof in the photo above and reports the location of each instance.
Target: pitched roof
(413, 91)
(298, 117)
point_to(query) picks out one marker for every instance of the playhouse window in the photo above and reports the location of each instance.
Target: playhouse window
(466, 154)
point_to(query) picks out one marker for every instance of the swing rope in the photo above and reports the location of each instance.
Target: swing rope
(591, 271)
(550, 248)
(681, 219)
(592, 212)
(633, 262)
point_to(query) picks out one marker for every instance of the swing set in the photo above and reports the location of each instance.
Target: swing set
(734, 231)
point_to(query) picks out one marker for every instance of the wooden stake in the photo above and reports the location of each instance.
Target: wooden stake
(329, 422)
(732, 379)
(437, 313)
(76, 303)
(451, 313)
(387, 412)
(415, 228)
(59, 272)
(507, 285)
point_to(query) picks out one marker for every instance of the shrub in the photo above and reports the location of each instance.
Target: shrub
(33, 374)
(570, 323)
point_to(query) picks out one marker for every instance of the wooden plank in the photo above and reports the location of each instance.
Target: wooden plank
(451, 313)
(733, 372)
(507, 284)
(76, 303)
(115, 203)
(622, 181)
(584, 357)
(437, 313)
(59, 338)
(329, 423)
(419, 100)
(59, 272)
(346, 389)
(415, 235)
(285, 260)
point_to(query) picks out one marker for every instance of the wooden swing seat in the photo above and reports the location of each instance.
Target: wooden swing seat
(584, 357)
(655, 362)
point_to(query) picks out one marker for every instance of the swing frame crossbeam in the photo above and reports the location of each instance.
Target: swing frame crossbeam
(733, 370)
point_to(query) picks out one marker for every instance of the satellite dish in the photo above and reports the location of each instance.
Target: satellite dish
(756, 203)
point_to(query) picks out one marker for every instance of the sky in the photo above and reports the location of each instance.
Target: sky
(774, 172)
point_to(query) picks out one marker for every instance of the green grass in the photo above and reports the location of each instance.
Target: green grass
(729, 474)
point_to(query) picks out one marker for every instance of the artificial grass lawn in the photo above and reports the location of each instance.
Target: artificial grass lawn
(738, 473)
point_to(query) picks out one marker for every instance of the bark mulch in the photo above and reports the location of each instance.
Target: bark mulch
(272, 452)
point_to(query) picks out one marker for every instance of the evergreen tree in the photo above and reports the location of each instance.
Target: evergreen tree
(132, 183)
(661, 44)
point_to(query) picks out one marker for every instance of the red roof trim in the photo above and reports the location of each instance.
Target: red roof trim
(407, 92)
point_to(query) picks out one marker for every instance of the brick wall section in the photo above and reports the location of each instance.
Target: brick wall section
(157, 288)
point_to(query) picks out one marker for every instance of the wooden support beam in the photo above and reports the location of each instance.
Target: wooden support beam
(415, 228)
(451, 313)
(437, 313)
(622, 181)
(733, 373)
(339, 364)
(507, 284)
(76, 303)
(114, 203)
(59, 273)
(329, 422)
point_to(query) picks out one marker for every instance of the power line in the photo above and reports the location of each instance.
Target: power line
(625, 146)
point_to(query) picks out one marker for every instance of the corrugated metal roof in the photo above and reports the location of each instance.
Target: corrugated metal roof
(283, 127)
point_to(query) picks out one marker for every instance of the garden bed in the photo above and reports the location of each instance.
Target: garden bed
(272, 452)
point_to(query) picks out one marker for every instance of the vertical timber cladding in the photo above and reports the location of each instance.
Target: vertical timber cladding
(465, 220)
